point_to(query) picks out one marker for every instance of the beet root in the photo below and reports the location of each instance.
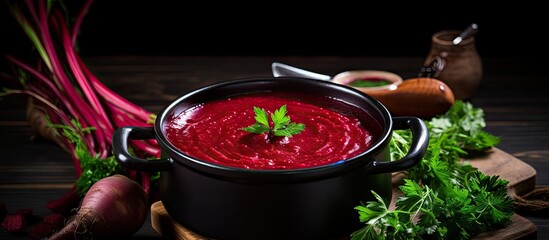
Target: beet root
(114, 207)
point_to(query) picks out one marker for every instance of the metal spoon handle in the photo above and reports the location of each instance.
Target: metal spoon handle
(283, 70)
(469, 31)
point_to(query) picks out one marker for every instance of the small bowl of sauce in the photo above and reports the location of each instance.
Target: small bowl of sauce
(369, 81)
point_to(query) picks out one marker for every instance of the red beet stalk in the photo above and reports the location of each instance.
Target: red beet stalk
(71, 93)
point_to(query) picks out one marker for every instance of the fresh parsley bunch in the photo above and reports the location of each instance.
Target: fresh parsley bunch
(442, 198)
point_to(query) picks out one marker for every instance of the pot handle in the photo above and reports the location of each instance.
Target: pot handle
(123, 156)
(420, 141)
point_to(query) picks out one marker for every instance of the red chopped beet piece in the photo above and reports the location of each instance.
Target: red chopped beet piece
(40, 231)
(56, 220)
(65, 203)
(14, 222)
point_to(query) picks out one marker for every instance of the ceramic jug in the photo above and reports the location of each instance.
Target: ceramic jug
(462, 70)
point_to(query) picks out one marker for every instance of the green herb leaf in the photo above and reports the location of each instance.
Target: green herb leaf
(262, 122)
(281, 123)
(93, 168)
(289, 130)
(464, 123)
(443, 198)
(261, 116)
(257, 128)
(280, 119)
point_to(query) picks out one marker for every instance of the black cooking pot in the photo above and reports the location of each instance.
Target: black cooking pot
(223, 202)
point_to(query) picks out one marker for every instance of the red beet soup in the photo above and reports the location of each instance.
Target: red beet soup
(334, 131)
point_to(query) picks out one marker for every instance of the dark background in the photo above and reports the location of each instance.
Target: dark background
(297, 28)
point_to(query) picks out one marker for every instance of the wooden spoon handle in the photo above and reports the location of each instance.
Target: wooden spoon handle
(420, 97)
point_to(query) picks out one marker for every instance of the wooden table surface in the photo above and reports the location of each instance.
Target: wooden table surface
(33, 172)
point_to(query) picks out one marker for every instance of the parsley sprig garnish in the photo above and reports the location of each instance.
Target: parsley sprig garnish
(282, 126)
(443, 198)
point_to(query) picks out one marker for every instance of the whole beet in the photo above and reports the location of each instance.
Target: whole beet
(114, 207)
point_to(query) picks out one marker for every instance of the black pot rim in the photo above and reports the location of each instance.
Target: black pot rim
(236, 173)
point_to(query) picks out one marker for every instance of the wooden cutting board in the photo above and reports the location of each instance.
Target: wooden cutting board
(521, 177)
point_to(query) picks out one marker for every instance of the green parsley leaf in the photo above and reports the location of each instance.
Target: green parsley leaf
(290, 129)
(443, 198)
(262, 122)
(257, 128)
(280, 119)
(261, 116)
(463, 123)
(281, 123)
